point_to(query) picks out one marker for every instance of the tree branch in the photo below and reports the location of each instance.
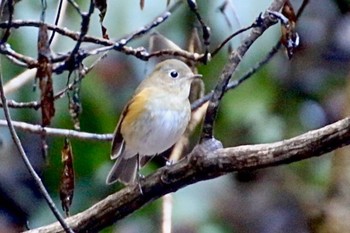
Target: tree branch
(235, 58)
(203, 164)
(38, 129)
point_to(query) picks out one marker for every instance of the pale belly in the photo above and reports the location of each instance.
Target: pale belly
(164, 129)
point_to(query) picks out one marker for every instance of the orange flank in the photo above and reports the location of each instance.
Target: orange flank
(135, 108)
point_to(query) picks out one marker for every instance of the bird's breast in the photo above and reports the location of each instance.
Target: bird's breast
(157, 125)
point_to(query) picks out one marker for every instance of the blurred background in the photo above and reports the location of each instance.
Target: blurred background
(286, 98)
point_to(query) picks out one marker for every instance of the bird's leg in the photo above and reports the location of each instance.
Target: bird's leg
(139, 175)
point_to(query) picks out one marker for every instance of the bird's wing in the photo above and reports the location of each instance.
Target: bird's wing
(118, 143)
(131, 112)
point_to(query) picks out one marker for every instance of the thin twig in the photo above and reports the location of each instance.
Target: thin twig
(60, 6)
(235, 83)
(140, 53)
(157, 21)
(83, 73)
(26, 161)
(75, 6)
(7, 32)
(234, 60)
(13, 104)
(125, 40)
(75, 58)
(38, 129)
(302, 8)
(205, 29)
(18, 58)
(43, 11)
(217, 49)
(223, 7)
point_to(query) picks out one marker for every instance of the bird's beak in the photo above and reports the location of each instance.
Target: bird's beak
(195, 76)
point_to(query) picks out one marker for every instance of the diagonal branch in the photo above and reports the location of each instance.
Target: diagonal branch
(231, 66)
(27, 163)
(203, 164)
(235, 83)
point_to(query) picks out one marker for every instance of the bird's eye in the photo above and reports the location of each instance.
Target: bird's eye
(173, 74)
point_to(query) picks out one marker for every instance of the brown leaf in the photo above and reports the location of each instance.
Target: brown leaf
(142, 4)
(44, 75)
(47, 97)
(290, 38)
(67, 177)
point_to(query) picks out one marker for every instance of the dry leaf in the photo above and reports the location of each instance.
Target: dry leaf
(44, 75)
(67, 177)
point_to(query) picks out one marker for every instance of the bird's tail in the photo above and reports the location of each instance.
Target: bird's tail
(124, 170)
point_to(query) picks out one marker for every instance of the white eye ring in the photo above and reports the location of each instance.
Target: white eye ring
(173, 74)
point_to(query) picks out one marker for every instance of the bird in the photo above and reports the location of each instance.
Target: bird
(153, 120)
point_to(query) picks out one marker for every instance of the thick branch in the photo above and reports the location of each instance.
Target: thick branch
(203, 164)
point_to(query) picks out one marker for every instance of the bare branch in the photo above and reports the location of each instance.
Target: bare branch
(38, 129)
(205, 29)
(234, 60)
(203, 164)
(75, 6)
(13, 104)
(235, 83)
(61, 8)
(119, 45)
(18, 58)
(222, 44)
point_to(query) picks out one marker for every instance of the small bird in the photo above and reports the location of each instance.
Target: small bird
(153, 120)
